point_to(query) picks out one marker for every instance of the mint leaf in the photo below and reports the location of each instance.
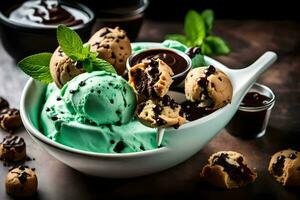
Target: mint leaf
(206, 50)
(37, 66)
(180, 38)
(198, 61)
(194, 27)
(217, 45)
(70, 43)
(87, 65)
(102, 65)
(208, 17)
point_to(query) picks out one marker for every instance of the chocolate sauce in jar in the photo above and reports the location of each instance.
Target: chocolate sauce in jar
(175, 61)
(47, 13)
(251, 120)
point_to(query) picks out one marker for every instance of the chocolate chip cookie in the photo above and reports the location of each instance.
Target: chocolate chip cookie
(13, 149)
(21, 182)
(284, 166)
(228, 169)
(112, 45)
(10, 119)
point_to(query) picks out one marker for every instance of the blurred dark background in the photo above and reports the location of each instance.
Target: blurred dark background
(224, 9)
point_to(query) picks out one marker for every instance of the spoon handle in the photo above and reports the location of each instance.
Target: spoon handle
(244, 78)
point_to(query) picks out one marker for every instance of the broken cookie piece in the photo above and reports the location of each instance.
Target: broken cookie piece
(284, 166)
(151, 79)
(21, 182)
(160, 113)
(228, 169)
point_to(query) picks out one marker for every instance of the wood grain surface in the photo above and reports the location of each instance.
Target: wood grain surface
(248, 40)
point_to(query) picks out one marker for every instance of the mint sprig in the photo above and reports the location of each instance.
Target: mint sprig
(72, 46)
(198, 33)
(37, 66)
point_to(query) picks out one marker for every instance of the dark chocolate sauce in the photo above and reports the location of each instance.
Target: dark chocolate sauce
(238, 173)
(47, 12)
(175, 61)
(255, 99)
(193, 111)
(277, 166)
(246, 124)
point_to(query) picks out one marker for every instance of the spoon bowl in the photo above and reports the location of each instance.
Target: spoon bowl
(182, 143)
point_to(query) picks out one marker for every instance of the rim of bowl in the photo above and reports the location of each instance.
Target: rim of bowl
(259, 108)
(4, 19)
(180, 53)
(34, 132)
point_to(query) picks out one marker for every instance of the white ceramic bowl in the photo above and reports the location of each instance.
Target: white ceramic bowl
(183, 142)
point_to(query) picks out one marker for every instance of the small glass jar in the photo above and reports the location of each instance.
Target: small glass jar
(250, 121)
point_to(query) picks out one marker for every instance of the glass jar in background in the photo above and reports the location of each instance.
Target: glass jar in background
(252, 117)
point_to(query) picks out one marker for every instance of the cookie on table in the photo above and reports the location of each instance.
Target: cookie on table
(13, 149)
(112, 45)
(284, 166)
(21, 182)
(10, 119)
(228, 169)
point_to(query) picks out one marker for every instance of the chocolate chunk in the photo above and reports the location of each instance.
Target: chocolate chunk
(278, 165)
(160, 122)
(121, 36)
(22, 177)
(58, 98)
(120, 146)
(3, 103)
(210, 70)
(157, 110)
(72, 91)
(54, 118)
(105, 46)
(293, 155)
(48, 109)
(105, 32)
(238, 173)
(113, 55)
(202, 82)
(82, 83)
(192, 52)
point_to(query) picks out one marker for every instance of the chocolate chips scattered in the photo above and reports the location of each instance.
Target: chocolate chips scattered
(10, 119)
(3, 103)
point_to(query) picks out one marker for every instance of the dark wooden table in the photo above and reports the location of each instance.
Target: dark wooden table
(248, 40)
